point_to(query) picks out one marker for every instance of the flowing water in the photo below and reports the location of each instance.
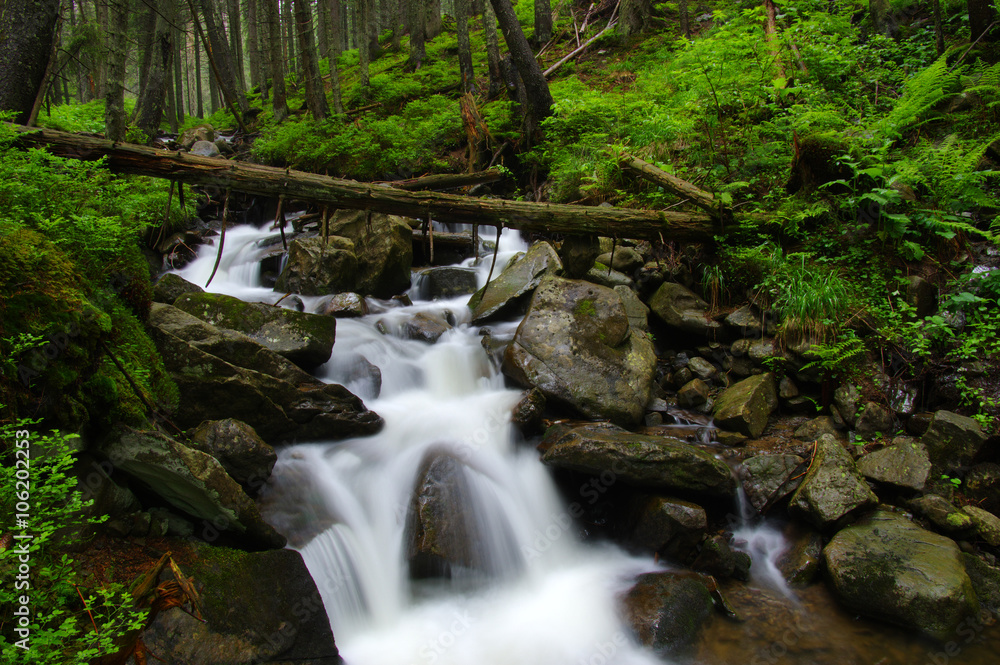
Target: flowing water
(535, 594)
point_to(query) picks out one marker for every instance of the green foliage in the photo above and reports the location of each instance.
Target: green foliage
(87, 117)
(836, 359)
(61, 624)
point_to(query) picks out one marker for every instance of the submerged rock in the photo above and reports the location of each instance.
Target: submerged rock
(800, 563)
(305, 339)
(745, 406)
(889, 568)
(832, 488)
(346, 305)
(666, 611)
(643, 461)
(576, 346)
(426, 327)
(511, 287)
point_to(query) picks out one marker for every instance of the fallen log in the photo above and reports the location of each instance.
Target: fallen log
(446, 180)
(275, 182)
(704, 200)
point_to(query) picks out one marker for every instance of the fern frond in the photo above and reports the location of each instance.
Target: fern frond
(921, 93)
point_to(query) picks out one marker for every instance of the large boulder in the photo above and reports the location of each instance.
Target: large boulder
(315, 268)
(502, 295)
(889, 568)
(577, 254)
(305, 339)
(680, 308)
(171, 286)
(744, 407)
(383, 245)
(658, 462)
(668, 526)
(666, 611)
(576, 346)
(191, 481)
(832, 488)
(952, 440)
(191, 135)
(224, 374)
(239, 449)
(986, 524)
(259, 607)
(446, 282)
(768, 478)
(904, 464)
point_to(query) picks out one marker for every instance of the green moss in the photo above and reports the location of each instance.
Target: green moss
(585, 308)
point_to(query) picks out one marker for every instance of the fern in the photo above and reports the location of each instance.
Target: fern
(836, 359)
(920, 94)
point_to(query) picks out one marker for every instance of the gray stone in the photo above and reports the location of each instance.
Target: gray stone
(576, 346)
(744, 407)
(609, 278)
(528, 412)
(921, 295)
(666, 612)
(171, 286)
(239, 449)
(987, 524)
(815, 428)
(205, 149)
(943, 515)
(745, 322)
(426, 327)
(447, 282)
(317, 269)
(888, 568)
(693, 393)
(787, 389)
(635, 309)
(985, 580)
(952, 440)
(625, 259)
(831, 488)
(680, 308)
(343, 306)
(577, 254)
(801, 562)
(703, 369)
(191, 135)
(383, 245)
(903, 464)
(767, 478)
(846, 399)
(670, 527)
(874, 420)
(191, 481)
(514, 284)
(982, 485)
(658, 462)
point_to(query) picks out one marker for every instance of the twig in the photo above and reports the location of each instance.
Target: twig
(548, 72)
(496, 250)
(280, 216)
(87, 607)
(222, 240)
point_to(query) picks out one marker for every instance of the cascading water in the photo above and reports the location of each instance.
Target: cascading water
(531, 593)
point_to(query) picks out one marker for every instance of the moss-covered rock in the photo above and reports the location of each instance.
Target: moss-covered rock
(305, 339)
(889, 568)
(903, 464)
(576, 346)
(768, 478)
(315, 268)
(171, 286)
(832, 488)
(952, 440)
(945, 517)
(745, 407)
(666, 611)
(657, 462)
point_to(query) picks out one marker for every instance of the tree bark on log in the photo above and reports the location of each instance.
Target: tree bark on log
(274, 182)
(704, 200)
(446, 180)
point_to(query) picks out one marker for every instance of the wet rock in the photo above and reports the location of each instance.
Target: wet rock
(846, 399)
(224, 374)
(426, 327)
(315, 269)
(239, 449)
(921, 295)
(205, 149)
(985, 523)
(815, 428)
(768, 478)
(904, 464)
(952, 439)
(874, 420)
(666, 612)
(918, 423)
(576, 346)
(800, 563)
(171, 286)
(638, 460)
(985, 580)
(609, 278)
(670, 527)
(109, 498)
(513, 285)
(982, 485)
(680, 308)
(718, 559)
(624, 259)
(943, 515)
(787, 389)
(343, 306)
(191, 135)
(383, 245)
(888, 568)
(745, 322)
(528, 412)
(762, 349)
(693, 393)
(635, 309)
(260, 607)
(577, 254)
(702, 369)
(744, 407)
(191, 481)
(447, 282)
(305, 339)
(832, 488)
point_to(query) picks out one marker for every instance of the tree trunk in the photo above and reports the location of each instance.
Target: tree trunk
(364, 28)
(197, 76)
(315, 93)
(418, 30)
(236, 45)
(682, 6)
(147, 25)
(704, 200)
(938, 27)
(221, 57)
(396, 17)
(432, 18)
(278, 102)
(289, 43)
(323, 31)
(879, 12)
(257, 78)
(981, 18)
(635, 15)
(464, 47)
(336, 28)
(543, 22)
(497, 85)
(28, 29)
(771, 35)
(269, 181)
(100, 60)
(178, 36)
(149, 108)
(538, 97)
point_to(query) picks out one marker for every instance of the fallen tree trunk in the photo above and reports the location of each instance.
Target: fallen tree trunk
(671, 183)
(446, 180)
(275, 182)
